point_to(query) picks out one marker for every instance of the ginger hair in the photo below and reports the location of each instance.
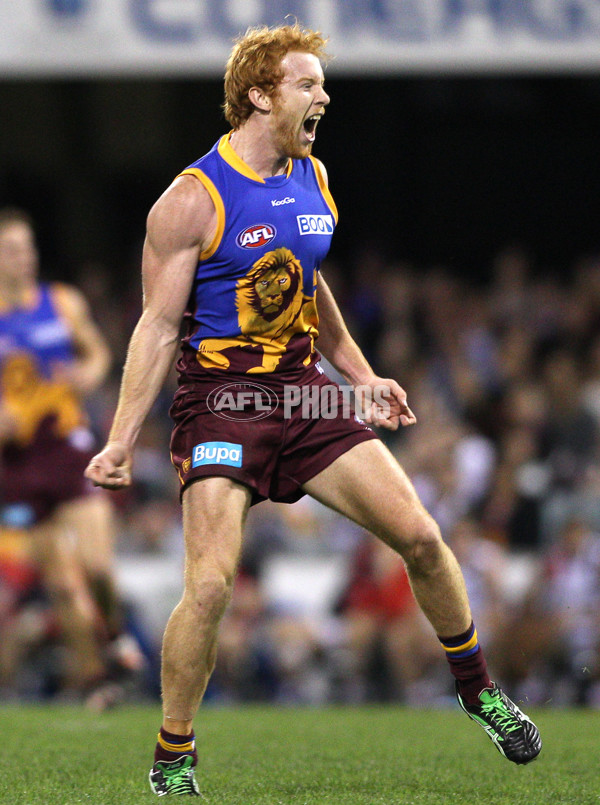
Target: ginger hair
(255, 61)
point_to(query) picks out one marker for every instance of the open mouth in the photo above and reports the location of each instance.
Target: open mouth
(310, 126)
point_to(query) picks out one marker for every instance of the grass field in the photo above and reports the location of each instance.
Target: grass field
(58, 755)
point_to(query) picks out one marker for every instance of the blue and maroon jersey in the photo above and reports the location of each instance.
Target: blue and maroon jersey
(35, 342)
(252, 306)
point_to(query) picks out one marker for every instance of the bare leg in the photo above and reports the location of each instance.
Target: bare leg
(214, 513)
(65, 581)
(90, 521)
(367, 485)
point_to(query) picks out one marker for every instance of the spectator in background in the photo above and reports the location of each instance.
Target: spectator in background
(306, 552)
(509, 291)
(556, 630)
(570, 433)
(391, 649)
(484, 564)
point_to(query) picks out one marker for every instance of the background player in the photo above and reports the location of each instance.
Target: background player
(243, 269)
(51, 357)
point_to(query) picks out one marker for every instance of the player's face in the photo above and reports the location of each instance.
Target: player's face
(18, 253)
(298, 104)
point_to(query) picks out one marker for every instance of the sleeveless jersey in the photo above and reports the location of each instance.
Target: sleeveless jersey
(252, 306)
(33, 341)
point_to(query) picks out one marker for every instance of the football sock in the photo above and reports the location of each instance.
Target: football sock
(467, 664)
(170, 746)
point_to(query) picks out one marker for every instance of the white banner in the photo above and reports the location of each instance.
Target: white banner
(193, 37)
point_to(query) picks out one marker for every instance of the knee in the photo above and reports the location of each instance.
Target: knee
(208, 588)
(424, 545)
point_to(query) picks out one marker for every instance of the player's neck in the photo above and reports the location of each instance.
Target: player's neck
(253, 143)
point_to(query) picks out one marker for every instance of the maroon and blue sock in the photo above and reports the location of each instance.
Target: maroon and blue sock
(170, 746)
(467, 664)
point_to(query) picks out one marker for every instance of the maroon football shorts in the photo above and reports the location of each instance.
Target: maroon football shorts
(268, 434)
(37, 478)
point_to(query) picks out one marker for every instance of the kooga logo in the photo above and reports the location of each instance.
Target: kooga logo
(315, 224)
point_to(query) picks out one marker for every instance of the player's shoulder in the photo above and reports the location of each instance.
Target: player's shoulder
(185, 190)
(185, 201)
(320, 170)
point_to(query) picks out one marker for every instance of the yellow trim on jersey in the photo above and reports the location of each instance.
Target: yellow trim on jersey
(324, 188)
(226, 150)
(464, 647)
(219, 206)
(237, 163)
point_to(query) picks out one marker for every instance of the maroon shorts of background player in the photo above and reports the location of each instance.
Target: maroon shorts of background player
(271, 453)
(44, 474)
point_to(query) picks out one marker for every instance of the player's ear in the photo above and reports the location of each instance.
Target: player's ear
(260, 100)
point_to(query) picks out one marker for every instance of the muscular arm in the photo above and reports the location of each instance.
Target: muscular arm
(180, 224)
(335, 341)
(93, 357)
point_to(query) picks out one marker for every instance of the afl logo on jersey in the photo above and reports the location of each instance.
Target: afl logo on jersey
(255, 236)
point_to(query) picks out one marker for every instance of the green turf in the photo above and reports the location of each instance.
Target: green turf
(56, 755)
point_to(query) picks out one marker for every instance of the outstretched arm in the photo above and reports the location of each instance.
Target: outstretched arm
(383, 399)
(180, 224)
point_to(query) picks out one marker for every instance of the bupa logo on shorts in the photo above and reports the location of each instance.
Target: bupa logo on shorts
(217, 453)
(315, 224)
(255, 236)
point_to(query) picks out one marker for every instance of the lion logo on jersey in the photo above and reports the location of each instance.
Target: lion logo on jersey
(30, 399)
(271, 308)
(269, 298)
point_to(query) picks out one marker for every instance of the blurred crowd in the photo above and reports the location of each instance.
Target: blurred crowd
(503, 373)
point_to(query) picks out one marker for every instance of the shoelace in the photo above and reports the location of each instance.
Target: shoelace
(180, 782)
(501, 715)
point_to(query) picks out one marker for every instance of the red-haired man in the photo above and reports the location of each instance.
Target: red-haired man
(234, 247)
